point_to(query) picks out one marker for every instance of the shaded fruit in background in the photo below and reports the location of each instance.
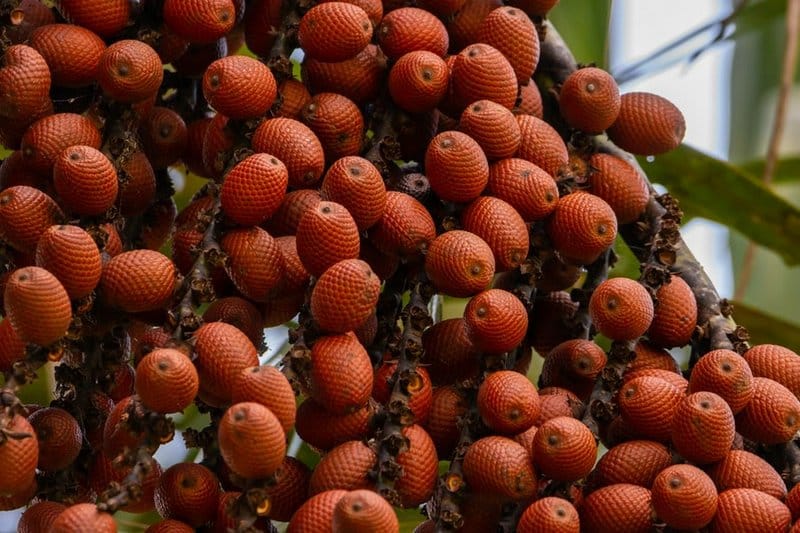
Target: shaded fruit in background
(364, 511)
(749, 510)
(447, 405)
(549, 514)
(647, 124)
(291, 489)
(684, 497)
(237, 312)
(459, 263)
(18, 456)
(166, 381)
(621, 309)
(636, 462)
(164, 136)
(59, 437)
(358, 78)
(37, 306)
(71, 255)
(316, 513)
(573, 365)
(501, 466)
(589, 100)
(508, 402)
(12, 348)
(703, 428)
(139, 280)
(254, 261)
(496, 320)
(727, 374)
(251, 440)
(137, 186)
(324, 430)
(420, 466)
(170, 526)
(40, 516)
(564, 449)
(418, 386)
(187, 492)
(449, 354)
(269, 387)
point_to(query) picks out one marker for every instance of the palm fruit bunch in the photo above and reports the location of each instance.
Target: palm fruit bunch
(450, 151)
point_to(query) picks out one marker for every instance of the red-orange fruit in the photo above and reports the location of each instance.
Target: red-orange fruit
(293, 96)
(253, 189)
(501, 466)
(617, 508)
(526, 439)
(530, 101)
(83, 517)
(636, 462)
(684, 497)
(187, 492)
(538, 8)
(24, 82)
(482, 72)
(384, 265)
(670, 376)
(139, 280)
(496, 320)
(648, 404)
(373, 8)
(420, 466)
(137, 185)
(703, 428)
(20, 498)
(447, 405)
(251, 440)
(459, 263)
(777, 363)
(503, 229)
(793, 501)
(465, 23)
(334, 31)
(551, 320)
(492, 126)
(25, 214)
(772, 416)
(324, 430)
(418, 81)
(582, 227)
(326, 235)
(261, 14)
(564, 449)
(541, 144)
(449, 354)
(573, 365)
(295, 276)
(675, 315)
(336, 121)
(130, 71)
(170, 526)
(726, 373)
(12, 348)
(26, 17)
(71, 255)
(356, 184)
(293, 207)
(294, 144)
(59, 435)
(647, 124)
(237, 312)
(508, 402)
(164, 136)
(218, 141)
(40, 516)
(621, 309)
(269, 387)
(442, 8)
(290, 489)
(103, 472)
(358, 78)
(46, 138)
(105, 18)
(749, 510)
(344, 467)
(223, 351)
(416, 383)
(239, 87)
(589, 100)
(166, 381)
(618, 183)
(15, 171)
(316, 514)
(364, 511)
(18, 456)
(72, 53)
(340, 392)
(649, 356)
(549, 515)
(117, 434)
(254, 261)
(511, 32)
(345, 295)
(529, 189)
(406, 227)
(37, 306)
(199, 21)
(408, 29)
(740, 469)
(85, 180)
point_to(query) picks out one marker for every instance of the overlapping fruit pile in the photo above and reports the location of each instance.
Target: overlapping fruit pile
(448, 149)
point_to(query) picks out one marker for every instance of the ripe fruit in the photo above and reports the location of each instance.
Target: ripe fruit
(459, 263)
(647, 124)
(675, 315)
(549, 514)
(199, 21)
(12, 348)
(294, 144)
(541, 144)
(237, 312)
(498, 465)
(290, 489)
(130, 71)
(618, 183)
(703, 428)
(85, 180)
(24, 81)
(749, 510)
(37, 306)
(340, 392)
(356, 184)
(344, 467)
(39, 516)
(187, 492)
(164, 136)
(223, 351)
(166, 381)
(324, 430)
(345, 296)
(59, 437)
(684, 497)
(420, 466)
(511, 32)
(364, 511)
(528, 188)
(636, 462)
(334, 31)
(410, 29)
(18, 456)
(493, 127)
(254, 189)
(582, 227)
(359, 78)
(449, 352)
(46, 138)
(25, 213)
(71, 255)
(619, 507)
(83, 517)
(254, 261)
(589, 100)
(326, 235)
(139, 280)
(648, 404)
(777, 363)
(72, 53)
(251, 440)
(104, 18)
(564, 449)
(316, 513)
(496, 320)
(239, 87)
(726, 373)
(508, 402)
(137, 187)
(406, 227)
(740, 469)
(499, 224)
(482, 72)
(621, 309)
(418, 81)
(269, 387)
(456, 167)
(773, 414)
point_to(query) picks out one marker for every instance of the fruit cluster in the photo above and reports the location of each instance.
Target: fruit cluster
(408, 160)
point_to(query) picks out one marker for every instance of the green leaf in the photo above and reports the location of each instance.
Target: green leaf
(584, 25)
(409, 519)
(786, 170)
(765, 328)
(722, 192)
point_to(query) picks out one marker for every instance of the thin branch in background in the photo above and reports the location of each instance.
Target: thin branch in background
(781, 108)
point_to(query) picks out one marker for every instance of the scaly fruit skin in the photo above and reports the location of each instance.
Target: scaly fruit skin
(268, 386)
(405, 229)
(345, 467)
(620, 185)
(130, 71)
(251, 440)
(456, 167)
(498, 465)
(254, 261)
(675, 317)
(37, 306)
(636, 462)
(18, 457)
(408, 29)
(46, 138)
(481, 72)
(450, 355)
(324, 430)
(703, 428)
(59, 437)
(24, 82)
(508, 402)
(71, 255)
(420, 465)
(326, 235)
(617, 508)
(254, 189)
(166, 381)
(223, 351)
(549, 514)
(106, 18)
(496, 320)
(503, 229)
(740, 469)
(564, 449)
(684, 497)
(187, 492)
(529, 189)
(364, 511)
(459, 263)
(291, 489)
(316, 514)
(339, 392)
(283, 138)
(541, 145)
(25, 214)
(83, 517)
(582, 227)
(418, 81)
(40, 516)
(72, 53)
(648, 404)
(239, 87)
(773, 414)
(511, 31)
(334, 31)
(139, 280)
(749, 510)
(647, 124)
(589, 100)
(621, 309)
(726, 373)
(357, 184)
(199, 21)
(494, 128)
(777, 363)
(345, 296)
(85, 180)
